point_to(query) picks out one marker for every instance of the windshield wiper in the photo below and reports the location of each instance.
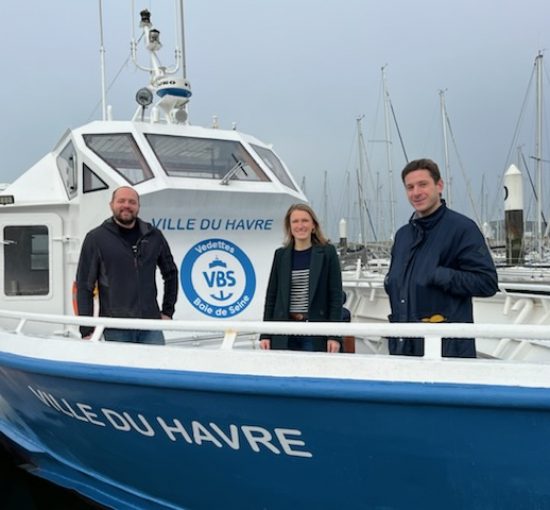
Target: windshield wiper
(239, 165)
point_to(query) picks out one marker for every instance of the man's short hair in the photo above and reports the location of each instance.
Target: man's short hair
(422, 164)
(124, 187)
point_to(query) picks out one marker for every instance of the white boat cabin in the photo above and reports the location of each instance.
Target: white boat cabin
(218, 196)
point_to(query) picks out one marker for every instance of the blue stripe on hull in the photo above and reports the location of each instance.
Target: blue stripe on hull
(205, 441)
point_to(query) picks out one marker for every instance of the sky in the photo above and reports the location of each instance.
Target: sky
(299, 74)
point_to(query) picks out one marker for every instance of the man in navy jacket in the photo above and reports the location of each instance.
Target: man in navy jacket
(439, 262)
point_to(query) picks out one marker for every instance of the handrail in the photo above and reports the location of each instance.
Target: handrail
(536, 289)
(447, 330)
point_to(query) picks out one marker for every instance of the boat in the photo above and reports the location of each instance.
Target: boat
(208, 420)
(164, 427)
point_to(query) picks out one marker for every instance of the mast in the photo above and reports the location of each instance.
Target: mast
(180, 54)
(388, 140)
(360, 180)
(173, 92)
(483, 204)
(448, 177)
(181, 31)
(538, 151)
(348, 195)
(102, 64)
(379, 216)
(325, 203)
(360, 184)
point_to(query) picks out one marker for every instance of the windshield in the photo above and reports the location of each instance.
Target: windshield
(121, 152)
(275, 165)
(205, 158)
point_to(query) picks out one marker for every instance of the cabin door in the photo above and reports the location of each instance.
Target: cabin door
(31, 263)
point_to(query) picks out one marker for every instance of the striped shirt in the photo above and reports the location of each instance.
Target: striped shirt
(299, 288)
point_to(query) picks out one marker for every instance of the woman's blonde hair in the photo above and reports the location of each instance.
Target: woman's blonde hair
(317, 236)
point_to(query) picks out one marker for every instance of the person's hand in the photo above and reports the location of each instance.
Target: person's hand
(165, 317)
(87, 337)
(265, 344)
(333, 346)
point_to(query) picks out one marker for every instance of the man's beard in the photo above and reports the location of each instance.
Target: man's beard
(127, 220)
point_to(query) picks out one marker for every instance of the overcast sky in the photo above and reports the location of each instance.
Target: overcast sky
(297, 74)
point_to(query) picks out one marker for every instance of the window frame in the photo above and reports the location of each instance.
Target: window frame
(34, 276)
(69, 176)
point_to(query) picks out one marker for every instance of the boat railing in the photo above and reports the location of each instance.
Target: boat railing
(535, 288)
(229, 330)
(376, 281)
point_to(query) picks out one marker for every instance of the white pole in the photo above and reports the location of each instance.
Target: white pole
(102, 59)
(182, 35)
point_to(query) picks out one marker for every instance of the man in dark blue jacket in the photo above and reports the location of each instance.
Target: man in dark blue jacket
(121, 257)
(439, 262)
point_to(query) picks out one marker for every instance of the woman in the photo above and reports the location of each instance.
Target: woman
(305, 283)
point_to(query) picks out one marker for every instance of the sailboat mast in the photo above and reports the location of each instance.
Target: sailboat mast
(325, 202)
(538, 150)
(448, 178)
(348, 194)
(360, 181)
(387, 130)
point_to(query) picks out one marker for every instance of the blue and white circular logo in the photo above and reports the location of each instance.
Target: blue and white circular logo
(218, 278)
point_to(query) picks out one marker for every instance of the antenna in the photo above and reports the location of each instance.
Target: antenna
(174, 92)
(102, 60)
(180, 31)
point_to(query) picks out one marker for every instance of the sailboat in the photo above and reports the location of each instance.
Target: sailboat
(376, 215)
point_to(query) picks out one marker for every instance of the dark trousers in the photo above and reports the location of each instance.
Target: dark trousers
(300, 343)
(136, 336)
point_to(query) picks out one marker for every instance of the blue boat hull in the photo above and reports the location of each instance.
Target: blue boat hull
(139, 438)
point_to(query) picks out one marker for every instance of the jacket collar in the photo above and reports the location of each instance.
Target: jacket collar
(428, 222)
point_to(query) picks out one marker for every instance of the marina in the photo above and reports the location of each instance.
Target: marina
(210, 420)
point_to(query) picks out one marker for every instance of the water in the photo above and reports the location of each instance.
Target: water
(20, 490)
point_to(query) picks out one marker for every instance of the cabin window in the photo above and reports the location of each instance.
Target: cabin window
(91, 181)
(275, 165)
(66, 164)
(26, 260)
(204, 158)
(121, 152)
